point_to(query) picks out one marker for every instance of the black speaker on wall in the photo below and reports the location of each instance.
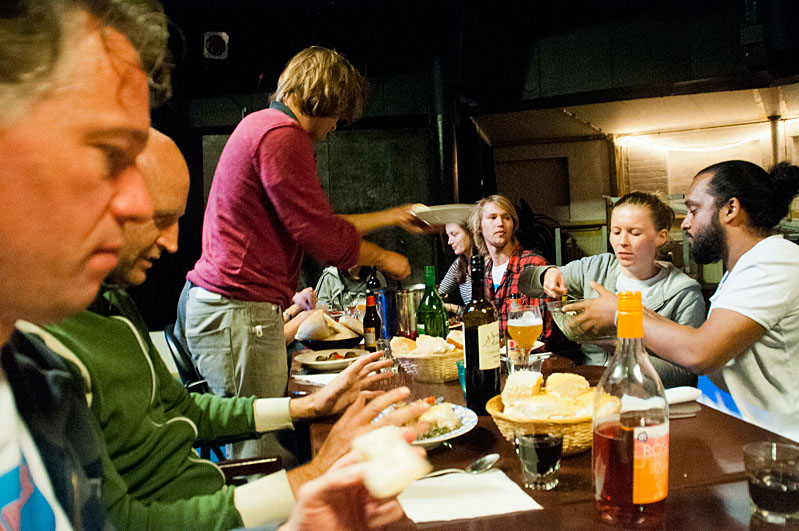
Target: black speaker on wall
(215, 45)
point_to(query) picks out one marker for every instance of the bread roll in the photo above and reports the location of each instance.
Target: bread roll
(431, 345)
(455, 338)
(585, 402)
(401, 345)
(520, 385)
(314, 327)
(538, 407)
(352, 323)
(566, 385)
(391, 463)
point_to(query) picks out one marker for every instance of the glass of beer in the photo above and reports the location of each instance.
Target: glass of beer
(525, 325)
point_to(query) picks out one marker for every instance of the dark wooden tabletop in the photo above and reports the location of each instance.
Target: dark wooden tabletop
(707, 487)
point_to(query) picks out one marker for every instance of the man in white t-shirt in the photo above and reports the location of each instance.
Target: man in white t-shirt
(749, 345)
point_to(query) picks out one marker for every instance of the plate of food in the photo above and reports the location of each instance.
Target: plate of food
(446, 421)
(442, 214)
(330, 360)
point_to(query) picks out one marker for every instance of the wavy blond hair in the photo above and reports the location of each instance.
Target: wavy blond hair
(322, 83)
(476, 220)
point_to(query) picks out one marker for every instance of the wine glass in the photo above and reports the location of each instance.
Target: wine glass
(525, 325)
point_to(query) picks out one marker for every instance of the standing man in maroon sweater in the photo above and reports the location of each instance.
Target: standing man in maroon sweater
(266, 209)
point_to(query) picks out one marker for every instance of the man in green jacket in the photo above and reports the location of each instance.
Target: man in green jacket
(152, 477)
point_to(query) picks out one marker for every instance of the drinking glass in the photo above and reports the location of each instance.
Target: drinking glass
(540, 448)
(772, 471)
(462, 375)
(525, 325)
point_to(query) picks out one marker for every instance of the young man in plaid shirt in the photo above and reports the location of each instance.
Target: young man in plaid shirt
(494, 223)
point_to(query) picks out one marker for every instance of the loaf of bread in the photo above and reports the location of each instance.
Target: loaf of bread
(314, 327)
(541, 406)
(352, 323)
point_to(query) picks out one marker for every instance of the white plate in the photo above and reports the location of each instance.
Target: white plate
(442, 214)
(309, 359)
(468, 421)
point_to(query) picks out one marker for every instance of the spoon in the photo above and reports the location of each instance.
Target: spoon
(481, 465)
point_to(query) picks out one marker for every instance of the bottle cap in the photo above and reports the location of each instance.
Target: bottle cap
(630, 322)
(370, 300)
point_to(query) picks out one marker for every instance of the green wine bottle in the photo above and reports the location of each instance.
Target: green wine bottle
(431, 316)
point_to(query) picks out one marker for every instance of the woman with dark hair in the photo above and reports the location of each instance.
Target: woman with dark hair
(749, 345)
(456, 286)
(639, 226)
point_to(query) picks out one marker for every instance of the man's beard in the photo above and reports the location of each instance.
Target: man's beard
(709, 245)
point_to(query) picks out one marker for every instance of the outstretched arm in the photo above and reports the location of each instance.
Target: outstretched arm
(723, 336)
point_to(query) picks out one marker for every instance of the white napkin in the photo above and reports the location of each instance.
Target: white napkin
(457, 496)
(323, 378)
(678, 395)
(675, 395)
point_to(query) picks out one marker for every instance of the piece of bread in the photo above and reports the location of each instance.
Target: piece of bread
(352, 323)
(585, 402)
(314, 327)
(455, 338)
(565, 384)
(431, 345)
(520, 385)
(538, 407)
(401, 345)
(390, 462)
(608, 405)
(338, 328)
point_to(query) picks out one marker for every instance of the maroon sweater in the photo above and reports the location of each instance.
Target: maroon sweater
(266, 207)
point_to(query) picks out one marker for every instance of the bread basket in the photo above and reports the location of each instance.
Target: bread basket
(577, 432)
(432, 368)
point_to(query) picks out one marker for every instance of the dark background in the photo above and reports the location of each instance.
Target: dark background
(432, 65)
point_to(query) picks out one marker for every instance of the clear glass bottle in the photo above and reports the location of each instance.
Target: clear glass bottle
(481, 343)
(431, 316)
(630, 457)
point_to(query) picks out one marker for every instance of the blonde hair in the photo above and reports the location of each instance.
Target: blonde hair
(476, 220)
(322, 83)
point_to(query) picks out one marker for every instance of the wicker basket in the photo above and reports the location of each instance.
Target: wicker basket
(577, 432)
(432, 368)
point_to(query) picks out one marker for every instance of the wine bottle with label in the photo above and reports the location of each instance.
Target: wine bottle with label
(371, 325)
(481, 343)
(631, 429)
(431, 316)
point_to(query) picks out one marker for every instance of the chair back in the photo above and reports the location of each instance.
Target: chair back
(189, 375)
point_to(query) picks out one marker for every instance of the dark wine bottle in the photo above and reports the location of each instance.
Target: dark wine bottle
(373, 283)
(481, 343)
(371, 325)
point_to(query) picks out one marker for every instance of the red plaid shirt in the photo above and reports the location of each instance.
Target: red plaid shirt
(518, 261)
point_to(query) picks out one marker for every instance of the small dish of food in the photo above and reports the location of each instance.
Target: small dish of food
(446, 422)
(330, 360)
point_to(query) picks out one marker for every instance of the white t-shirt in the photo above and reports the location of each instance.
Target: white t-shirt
(764, 380)
(26, 496)
(624, 283)
(497, 272)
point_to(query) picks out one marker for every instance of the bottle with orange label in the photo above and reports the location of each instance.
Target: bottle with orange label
(631, 429)
(371, 325)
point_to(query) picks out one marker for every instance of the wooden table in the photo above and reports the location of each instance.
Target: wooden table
(707, 487)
